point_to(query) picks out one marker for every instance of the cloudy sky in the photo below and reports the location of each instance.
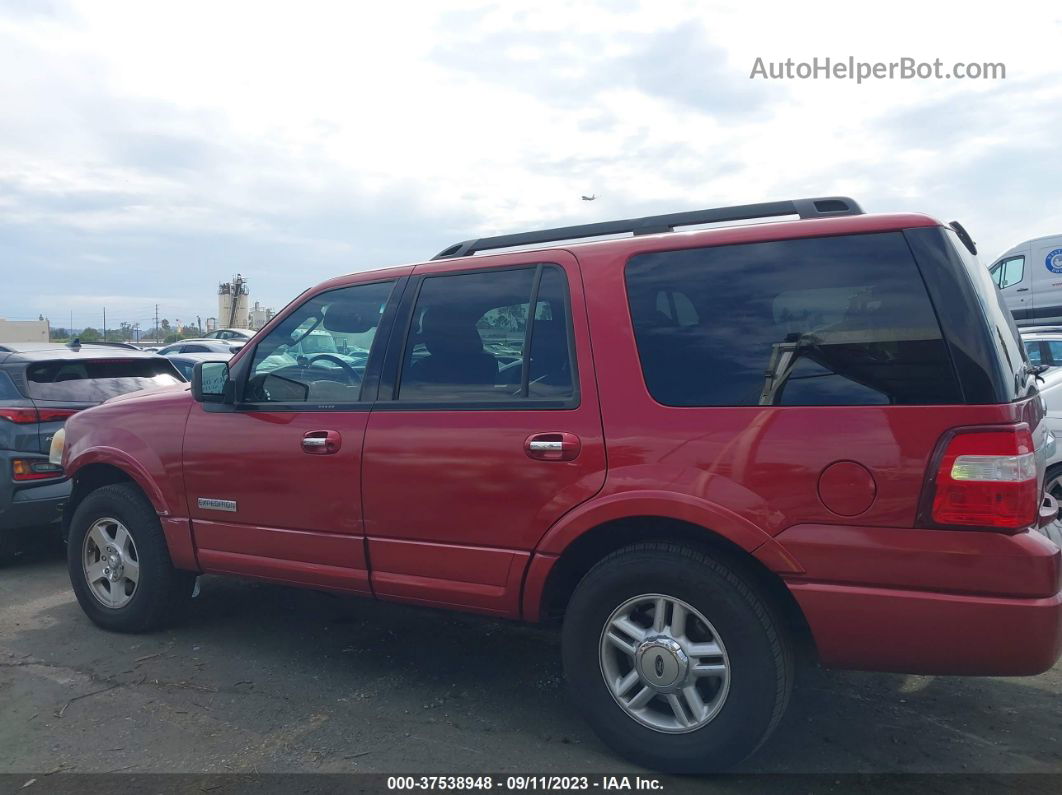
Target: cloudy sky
(149, 150)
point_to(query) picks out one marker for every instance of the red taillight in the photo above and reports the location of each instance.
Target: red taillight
(20, 416)
(986, 478)
(27, 416)
(51, 415)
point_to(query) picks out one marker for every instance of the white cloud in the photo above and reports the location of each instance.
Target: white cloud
(292, 142)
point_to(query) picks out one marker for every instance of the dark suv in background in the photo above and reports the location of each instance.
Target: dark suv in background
(41, 385)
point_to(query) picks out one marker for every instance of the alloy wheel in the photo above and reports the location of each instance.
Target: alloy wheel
(664, 663)
(110, 563)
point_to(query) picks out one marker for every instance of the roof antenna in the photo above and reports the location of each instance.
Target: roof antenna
(74, 344)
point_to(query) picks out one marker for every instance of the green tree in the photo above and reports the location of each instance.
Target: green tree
(89, 335)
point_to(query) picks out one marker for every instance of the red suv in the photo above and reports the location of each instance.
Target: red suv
(694, 447)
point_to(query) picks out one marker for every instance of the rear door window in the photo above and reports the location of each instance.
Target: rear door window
(96, 380)
(820, 321)
(474, 340)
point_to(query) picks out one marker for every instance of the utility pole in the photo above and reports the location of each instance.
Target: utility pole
(104, 324)
(199, 322)
(156, 324)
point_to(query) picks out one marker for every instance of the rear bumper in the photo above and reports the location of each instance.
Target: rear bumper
(931, 633)
(929, 601)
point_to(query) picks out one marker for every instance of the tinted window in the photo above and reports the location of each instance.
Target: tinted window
(318, 354)
(1055, 347)
(1011, 271)
(824, 321)
(7, 388)
(474, 339)
(94, 381)
(1032, 349)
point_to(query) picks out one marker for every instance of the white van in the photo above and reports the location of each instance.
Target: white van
(1030, 278)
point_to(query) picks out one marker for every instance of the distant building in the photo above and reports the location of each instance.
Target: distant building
(24, 330)
(233, 298)
(260, 315)
(211, 324)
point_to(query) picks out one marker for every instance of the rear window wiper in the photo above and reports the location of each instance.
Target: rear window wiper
(1035, 370)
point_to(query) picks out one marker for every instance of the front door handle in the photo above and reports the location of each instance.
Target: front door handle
(552, 446)
(322, 442)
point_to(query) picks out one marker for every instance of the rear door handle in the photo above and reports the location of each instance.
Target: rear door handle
(1022, 290)
(556, 446)
(322, 442)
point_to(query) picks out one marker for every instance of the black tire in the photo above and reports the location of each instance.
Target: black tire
(162, 592)
(758, 648)
(1052, 473)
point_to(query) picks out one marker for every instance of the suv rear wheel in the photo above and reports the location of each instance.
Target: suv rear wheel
(119, 565)
(675, 659)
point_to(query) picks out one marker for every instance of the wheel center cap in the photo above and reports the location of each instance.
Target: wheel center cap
(661, 662)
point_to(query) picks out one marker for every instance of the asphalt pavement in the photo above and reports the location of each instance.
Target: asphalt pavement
(264, 678)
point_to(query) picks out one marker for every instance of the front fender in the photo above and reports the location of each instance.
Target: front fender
(141, 435)
(119, 459)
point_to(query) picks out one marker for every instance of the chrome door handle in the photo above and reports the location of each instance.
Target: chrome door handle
(554, 446)
(543, 447)
(322, 442)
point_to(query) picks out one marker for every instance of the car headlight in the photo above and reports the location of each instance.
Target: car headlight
(55, 452)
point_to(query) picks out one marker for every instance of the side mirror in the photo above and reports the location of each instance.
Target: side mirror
(211, 382)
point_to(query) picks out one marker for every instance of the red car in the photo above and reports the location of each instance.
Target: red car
(697, 448)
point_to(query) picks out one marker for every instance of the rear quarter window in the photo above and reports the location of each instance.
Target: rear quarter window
(8, 391)
(96, 380)
(821, 321)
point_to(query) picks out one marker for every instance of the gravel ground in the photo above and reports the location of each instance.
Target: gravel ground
(263, 678)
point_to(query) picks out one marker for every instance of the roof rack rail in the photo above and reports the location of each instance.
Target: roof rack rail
(77, 343)
(823, 207)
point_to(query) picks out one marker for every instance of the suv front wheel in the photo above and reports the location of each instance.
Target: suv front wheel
(119, 564)
(675, 659)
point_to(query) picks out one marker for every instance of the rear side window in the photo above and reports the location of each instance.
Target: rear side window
(822, 321)
(93, 381)
(7, 388)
